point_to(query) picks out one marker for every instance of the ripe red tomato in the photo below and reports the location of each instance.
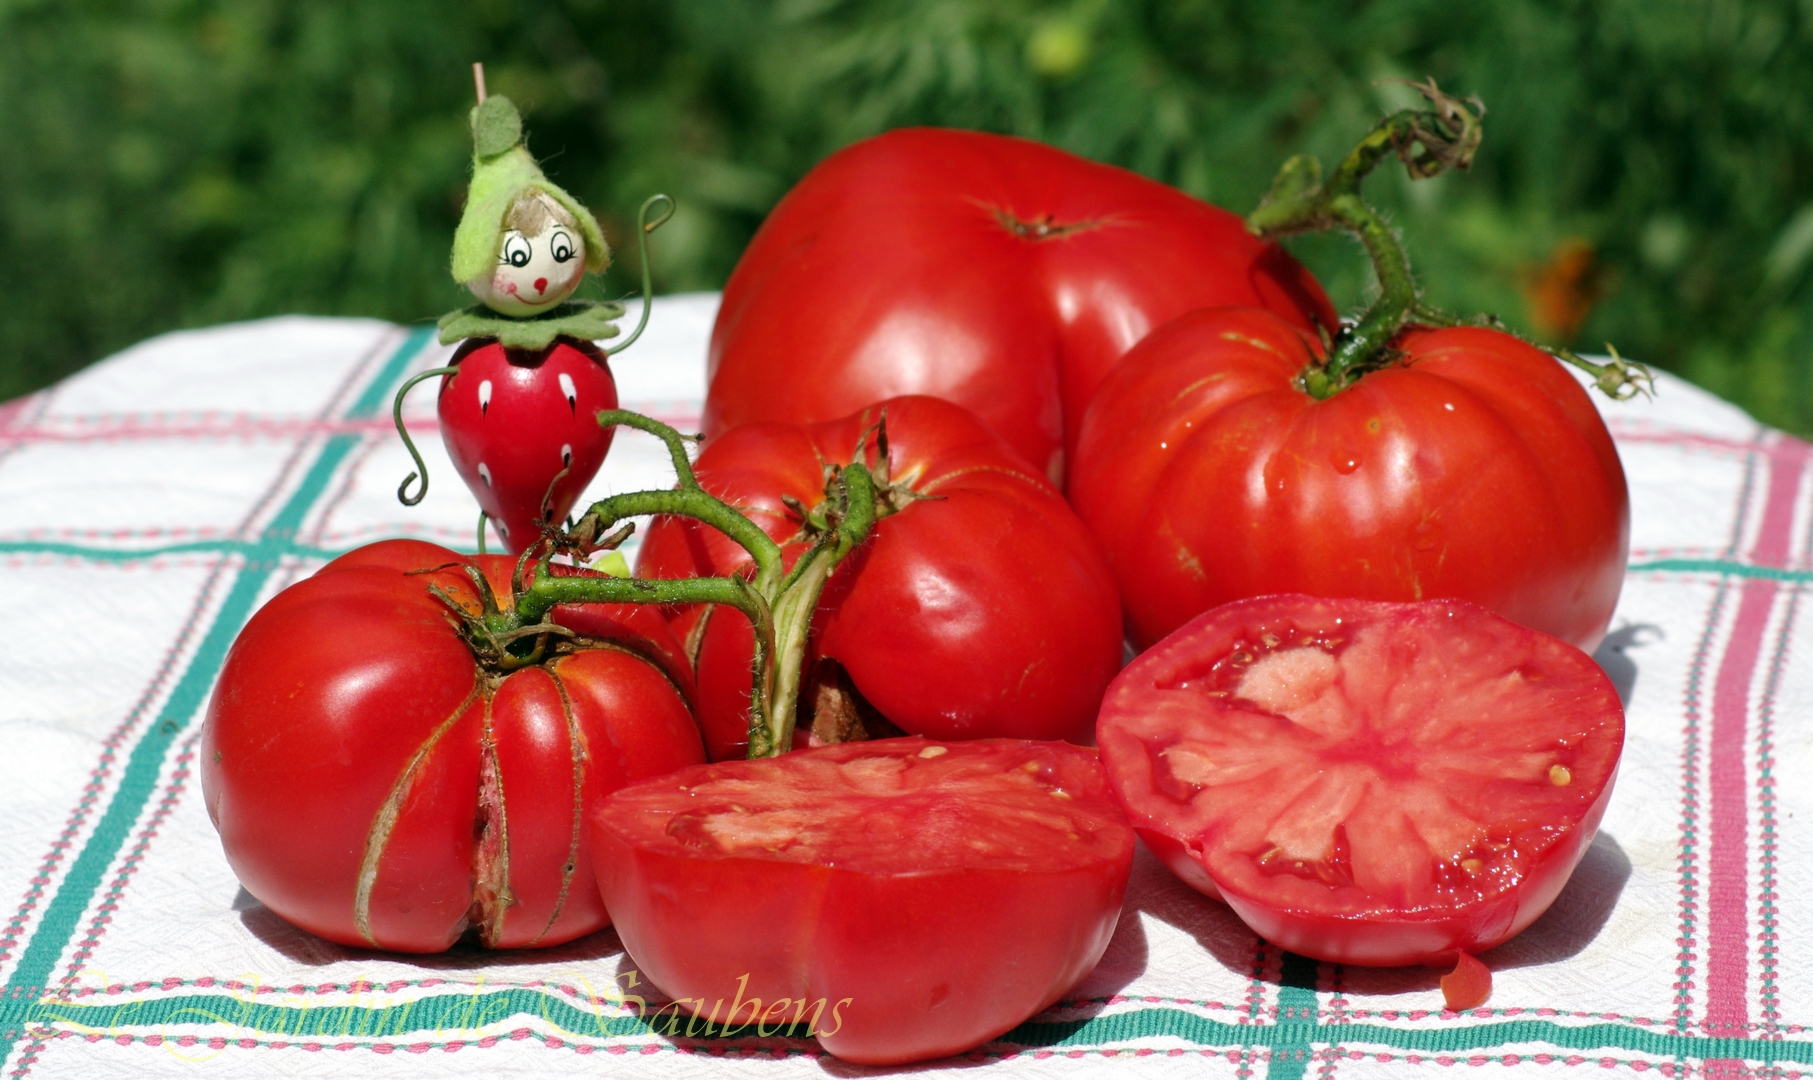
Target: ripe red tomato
(981, 608)
(1474, 468)
(998, 273)
(907, 899)
(1365, 782)
(354, 740)
(513, 419)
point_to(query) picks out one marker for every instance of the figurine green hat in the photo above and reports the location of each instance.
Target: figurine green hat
(504, 176)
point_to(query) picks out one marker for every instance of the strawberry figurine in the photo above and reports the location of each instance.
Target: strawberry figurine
(518, 402)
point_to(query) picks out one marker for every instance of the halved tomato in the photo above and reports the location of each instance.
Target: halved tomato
(903, 899)
(1366, 782)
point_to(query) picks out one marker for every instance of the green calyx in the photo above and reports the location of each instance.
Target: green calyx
(1429, 142)
(587, 320)
(502, 170)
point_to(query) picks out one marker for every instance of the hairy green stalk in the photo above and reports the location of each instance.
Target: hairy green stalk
(778, 605)
(1429, 142)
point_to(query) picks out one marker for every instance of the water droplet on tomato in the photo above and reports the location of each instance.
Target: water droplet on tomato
(1344, 461)
(1423, 536)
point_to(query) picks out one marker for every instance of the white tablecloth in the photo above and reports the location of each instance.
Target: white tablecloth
(151, 502)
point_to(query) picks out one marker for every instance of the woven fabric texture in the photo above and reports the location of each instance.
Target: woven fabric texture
(149, 504)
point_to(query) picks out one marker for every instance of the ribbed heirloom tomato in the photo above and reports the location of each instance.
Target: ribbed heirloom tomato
(998, 273)
(1413, 455)
(1364, 782)
(903, 899)
(378, 782)
(979, 606)
(1474, 466)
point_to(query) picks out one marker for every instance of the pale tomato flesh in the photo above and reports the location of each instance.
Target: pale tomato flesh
(1366, 782)
(906, 899)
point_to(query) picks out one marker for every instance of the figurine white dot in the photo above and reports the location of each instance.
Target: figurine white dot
(484, 473)
(484, 397)
(572, 393)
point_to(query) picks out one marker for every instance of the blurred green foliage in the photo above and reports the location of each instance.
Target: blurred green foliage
(181, 162)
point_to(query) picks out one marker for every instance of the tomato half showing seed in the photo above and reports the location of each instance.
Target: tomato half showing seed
(376, 784)
(1366, 782)
(907, 899)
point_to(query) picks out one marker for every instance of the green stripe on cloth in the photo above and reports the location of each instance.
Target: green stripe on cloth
(1296, 1027)
(478, 1014)
(139, 778)
(1723, 567)
(256, 552)
(1454, 1039)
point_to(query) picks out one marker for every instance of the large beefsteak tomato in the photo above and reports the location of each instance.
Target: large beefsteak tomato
(377, 785)
(979, 607)
(1473, 467)
(901, 899)
(995, 272)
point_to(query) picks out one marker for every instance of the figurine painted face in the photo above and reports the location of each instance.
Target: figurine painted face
(540, 259)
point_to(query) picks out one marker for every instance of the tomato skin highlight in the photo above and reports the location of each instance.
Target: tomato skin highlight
(353, 741)
(983, 611)
(930, 896)
(1477, 469)
(1366, 782)
(918, 255)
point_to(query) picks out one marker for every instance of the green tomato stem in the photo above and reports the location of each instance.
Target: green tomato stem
(1618, 378)
(1429, 142)
(778, 605)
(851, 516)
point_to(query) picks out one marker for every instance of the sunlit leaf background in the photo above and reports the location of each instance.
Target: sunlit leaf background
(1646, 179)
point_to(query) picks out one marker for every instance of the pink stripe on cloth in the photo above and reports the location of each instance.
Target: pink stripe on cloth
(15, 430)
(1728, 885)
